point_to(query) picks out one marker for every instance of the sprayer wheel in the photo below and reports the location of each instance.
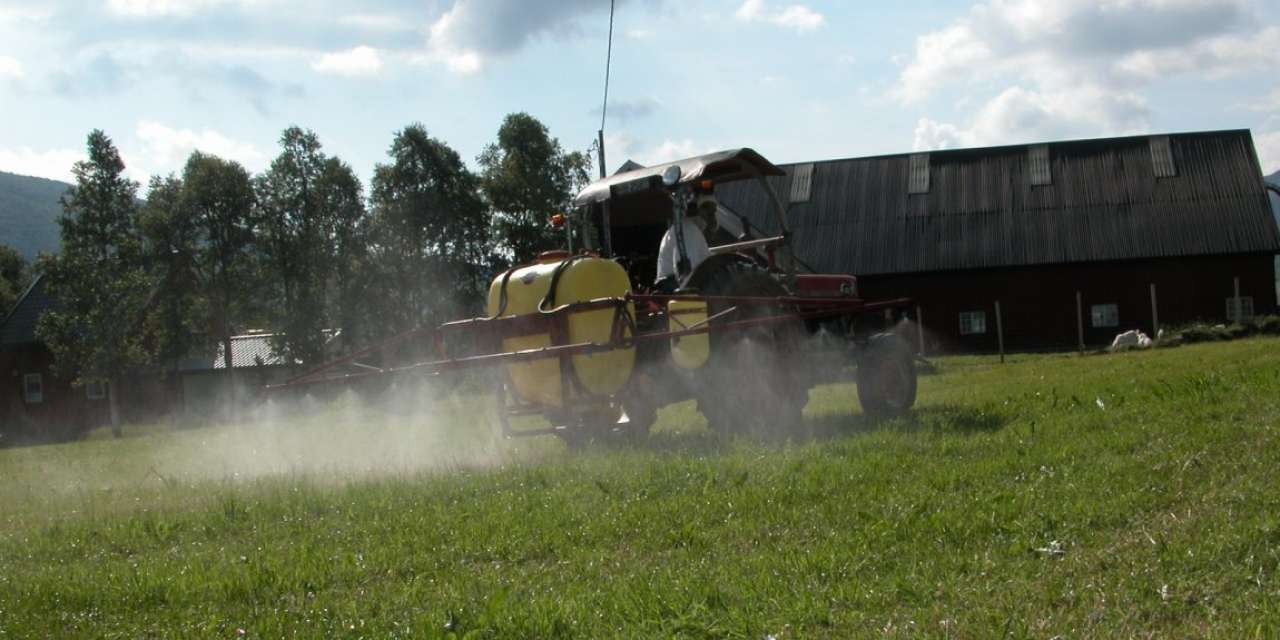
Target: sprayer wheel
(751, 383)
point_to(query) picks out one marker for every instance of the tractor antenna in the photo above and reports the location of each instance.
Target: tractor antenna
(608, 60)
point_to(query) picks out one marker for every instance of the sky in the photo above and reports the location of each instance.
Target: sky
(795, 80)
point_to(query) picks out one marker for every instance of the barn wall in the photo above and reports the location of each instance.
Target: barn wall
(1039, 303)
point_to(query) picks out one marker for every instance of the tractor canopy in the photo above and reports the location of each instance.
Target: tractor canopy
(719, 167)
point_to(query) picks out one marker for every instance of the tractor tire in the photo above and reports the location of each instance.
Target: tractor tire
(751, 383)
(886, 377)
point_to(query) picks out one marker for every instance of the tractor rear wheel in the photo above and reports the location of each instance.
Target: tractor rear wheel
(751, 383)
(886, 377)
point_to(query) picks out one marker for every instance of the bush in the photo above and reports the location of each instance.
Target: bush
(1205, 332)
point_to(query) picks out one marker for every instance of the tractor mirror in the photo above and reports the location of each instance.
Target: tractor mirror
(671, 176)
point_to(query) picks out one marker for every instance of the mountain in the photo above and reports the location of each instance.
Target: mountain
(29, 211)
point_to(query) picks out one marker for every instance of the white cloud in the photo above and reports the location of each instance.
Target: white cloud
(1020, 115)
(1111, 42)
(360, 61)
(796, 16)
(1268, 145)
(473, 32)
(1217, 56)
(163, 8)
(10, 68)
(377, 22)
(19, 14)
(54, 164)
(165, 149)
(622, 146)
(1268, 104)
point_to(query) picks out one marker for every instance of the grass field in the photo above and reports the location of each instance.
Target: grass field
(1134, 495)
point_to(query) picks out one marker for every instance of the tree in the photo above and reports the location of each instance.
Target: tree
(295, 248)
(430, 232)
(14, 277)
(342, 201)
(218, 197)
(178, 318)
(527, 178)
(99, 279)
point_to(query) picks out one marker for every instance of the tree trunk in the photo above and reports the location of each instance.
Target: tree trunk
(113, 408)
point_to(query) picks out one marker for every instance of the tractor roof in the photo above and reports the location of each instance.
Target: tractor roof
(721, 166)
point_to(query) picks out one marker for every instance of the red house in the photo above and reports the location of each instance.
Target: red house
(36, 403)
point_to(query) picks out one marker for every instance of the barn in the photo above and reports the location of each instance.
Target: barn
(1075, 240)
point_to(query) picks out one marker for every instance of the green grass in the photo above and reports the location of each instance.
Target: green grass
(1055, 496)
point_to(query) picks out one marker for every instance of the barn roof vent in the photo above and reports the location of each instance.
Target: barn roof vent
(1038, 164)
(1162, 157)
(918, 182)
(801, 182)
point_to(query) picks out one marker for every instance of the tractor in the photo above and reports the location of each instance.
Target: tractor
(596, 343)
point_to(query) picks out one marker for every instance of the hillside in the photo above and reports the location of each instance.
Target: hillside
(29, 210)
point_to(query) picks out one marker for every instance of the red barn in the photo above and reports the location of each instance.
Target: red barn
(1076, 240)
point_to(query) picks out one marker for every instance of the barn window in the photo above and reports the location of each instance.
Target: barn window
(1241, 311)
(918, 181)
(801, 182)
(32, 388)
(1162, 157)
(95, 390)
(973, 322)
(1038, 164)
(1105, 315)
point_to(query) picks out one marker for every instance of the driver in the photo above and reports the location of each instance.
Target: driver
(700, 218)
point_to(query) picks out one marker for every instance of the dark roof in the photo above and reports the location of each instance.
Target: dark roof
(19, 327)
(1104, 203)
(721, 166)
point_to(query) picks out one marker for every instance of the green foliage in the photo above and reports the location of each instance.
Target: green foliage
(99, 278)
(14, 277)
(342, 200)
(527, 178)
(309, 208)
(29, 211)
(430, 233)
(1124, 496)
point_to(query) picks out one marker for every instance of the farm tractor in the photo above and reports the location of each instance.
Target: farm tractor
(589, 341)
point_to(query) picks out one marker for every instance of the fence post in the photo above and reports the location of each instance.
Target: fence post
(920, 328)
(1155, 315)
(1235, 300)
(1080, 322)
(1000, 331)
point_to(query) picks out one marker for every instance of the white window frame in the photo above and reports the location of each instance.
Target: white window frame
(1104, 316)
(27, 395)
(95, 390)
(973, 323)
(1246, 306)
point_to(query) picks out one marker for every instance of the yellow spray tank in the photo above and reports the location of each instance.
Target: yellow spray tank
(583, 278)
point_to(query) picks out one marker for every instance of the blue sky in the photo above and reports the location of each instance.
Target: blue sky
(796, 80)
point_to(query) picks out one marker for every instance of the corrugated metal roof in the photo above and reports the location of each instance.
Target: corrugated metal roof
(248, 350)
(981, 210)
(19, 327)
